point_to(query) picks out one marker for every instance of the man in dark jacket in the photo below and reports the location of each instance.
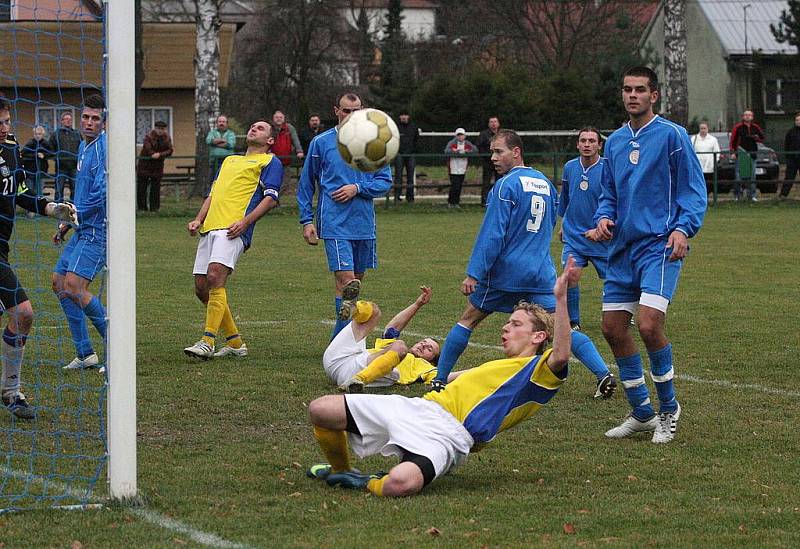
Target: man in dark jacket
(312, 130)
(484, 145)
(157, 146)
(64, 143)
(747, 135)
(34, 160)
(791, 146)
(409, 134)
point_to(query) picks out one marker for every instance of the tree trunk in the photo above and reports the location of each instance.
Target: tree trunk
(206, 92)
(676, 95)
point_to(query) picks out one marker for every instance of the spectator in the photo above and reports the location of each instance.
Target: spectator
(705, 145)
(311, 131)
(150, 168)
(221, 142)
(34, 160)
(409, 134)
(747, 135)
(484, 146)
(791, 146)
(457, 161)
(64, 144)
(286, 139)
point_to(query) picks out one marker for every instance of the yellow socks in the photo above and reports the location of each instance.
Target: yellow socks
(379, 367)
(228, 326)
(375, 485)
(363, 311)
(215, 310)
(334, 446)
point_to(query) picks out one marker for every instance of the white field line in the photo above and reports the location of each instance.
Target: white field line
(683, 377)
(153, 517)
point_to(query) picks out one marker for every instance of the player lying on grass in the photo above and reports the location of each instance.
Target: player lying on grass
(352, 366)
(435, 433)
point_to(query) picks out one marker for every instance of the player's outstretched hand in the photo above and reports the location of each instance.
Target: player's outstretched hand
(193, 227)
(468, 285)
(63, 211)
(310, 234)
(424, 297)
(603, 231)
(63, 229)
(571, 274)
(679, 244)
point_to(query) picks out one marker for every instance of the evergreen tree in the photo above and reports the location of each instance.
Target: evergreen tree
(397, 80)
(788, 30)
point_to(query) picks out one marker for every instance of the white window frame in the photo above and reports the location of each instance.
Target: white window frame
(778, 96)
(58, 112)
(151, 109)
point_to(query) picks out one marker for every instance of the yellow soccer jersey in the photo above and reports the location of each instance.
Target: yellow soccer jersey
(412, 369)
(498, 394)
(242, 183)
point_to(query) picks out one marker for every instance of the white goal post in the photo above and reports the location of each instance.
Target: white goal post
(121, 246)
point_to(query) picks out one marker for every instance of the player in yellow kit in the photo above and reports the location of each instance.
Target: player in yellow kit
(351, 366)
(246, 188)
(435, 433)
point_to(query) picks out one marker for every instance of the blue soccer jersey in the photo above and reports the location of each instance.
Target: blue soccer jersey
(577, 204)
(512, 249)
(324, 168)
(652, 184)
(90, 185)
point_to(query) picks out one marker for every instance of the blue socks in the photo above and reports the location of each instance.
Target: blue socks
(662, 373)
(339, 323)
(585, 351)
(574, 306)
(77, 327)
(95, 312)
(454, 345)
(631, 375)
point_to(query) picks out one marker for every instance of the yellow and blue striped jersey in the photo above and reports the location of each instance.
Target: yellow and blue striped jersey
(242, 183)
(497, 395)
(411, 369)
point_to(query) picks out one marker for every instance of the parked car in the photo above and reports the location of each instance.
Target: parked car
(767, 165)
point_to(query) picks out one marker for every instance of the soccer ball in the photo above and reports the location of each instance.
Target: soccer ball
(368, 139)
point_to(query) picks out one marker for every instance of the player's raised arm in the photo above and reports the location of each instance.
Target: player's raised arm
(401, 319)
(562, 332)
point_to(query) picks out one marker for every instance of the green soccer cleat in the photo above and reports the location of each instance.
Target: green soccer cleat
(319, 471)
(353, 479)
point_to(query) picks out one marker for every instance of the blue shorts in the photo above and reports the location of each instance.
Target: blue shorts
(641, 268)
(351, 255)
(491, 300)
(600, 263)
(84, 255)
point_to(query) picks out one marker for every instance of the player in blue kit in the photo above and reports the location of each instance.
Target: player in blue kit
(85, 254)
(580, 190)
(511, 259)
(345, 216)
(653, 201)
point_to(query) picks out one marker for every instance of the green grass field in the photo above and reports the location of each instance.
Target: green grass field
(223, 445)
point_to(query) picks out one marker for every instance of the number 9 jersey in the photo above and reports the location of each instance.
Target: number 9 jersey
(512, 249)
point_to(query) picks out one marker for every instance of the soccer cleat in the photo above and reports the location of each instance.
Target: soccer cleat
(349, 296)
(437, 385)
(575, 326)
(227, 350)
(83, 363)
(606, 387)
(201, 349)
(352, 479)
(353, 385)
(18, 406)
(667, 425)
(319, 471)
(631, 426)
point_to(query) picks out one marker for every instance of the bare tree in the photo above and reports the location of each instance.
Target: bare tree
(206, 92)
(676, 100)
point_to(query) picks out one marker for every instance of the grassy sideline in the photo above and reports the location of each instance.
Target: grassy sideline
(223, 445)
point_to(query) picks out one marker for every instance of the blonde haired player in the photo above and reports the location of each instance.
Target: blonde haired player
(246, 189)
(435, 433)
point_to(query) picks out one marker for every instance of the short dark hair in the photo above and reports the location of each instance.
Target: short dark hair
(313, 114)
(591, 129)
(94, 101)
(645, 72)
(350, 95)
(276, 111)
(510, 137)
(4, 104)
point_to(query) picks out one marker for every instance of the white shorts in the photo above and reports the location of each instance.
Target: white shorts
(216, 247)
(345, 357)
(392, 424)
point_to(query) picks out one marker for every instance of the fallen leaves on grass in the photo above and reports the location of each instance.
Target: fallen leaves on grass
(569, 528)
(433, 531)
(742, 529)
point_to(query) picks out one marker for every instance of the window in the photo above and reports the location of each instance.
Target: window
(5, 11)
(146, 117)
(50, 117)
(782, 95)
